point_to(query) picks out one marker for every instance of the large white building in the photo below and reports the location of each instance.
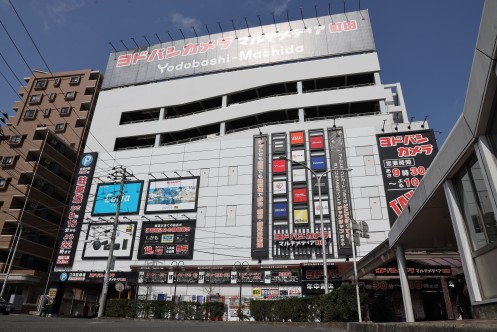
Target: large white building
(204, 125)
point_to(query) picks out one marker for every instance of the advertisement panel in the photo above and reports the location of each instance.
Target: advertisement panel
(280, 210)
(260, 191)
(281, 42)
(279, 146)
(323, 184)
(299, 195)
(297, 138)
(106, 198)
(300, 216)
(404, 158)
(298, 155)
(341, 191)
(98, 240)
(172, 195)
(298, 175)
(313, 278)
(279, 187)
(167, 240)
(317, 208)
(73, 218)
(279, 166)
(318, 163)
(316, 142)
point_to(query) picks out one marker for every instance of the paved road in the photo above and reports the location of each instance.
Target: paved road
(34, 323)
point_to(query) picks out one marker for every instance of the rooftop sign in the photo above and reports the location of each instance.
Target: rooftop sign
(283, 42)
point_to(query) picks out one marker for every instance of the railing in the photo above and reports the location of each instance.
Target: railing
(265, 97)
(196, 112)
(342, 116)
(136, 147)
(340, 87)
(138, 121)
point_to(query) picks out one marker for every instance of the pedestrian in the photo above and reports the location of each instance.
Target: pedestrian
(43, 310)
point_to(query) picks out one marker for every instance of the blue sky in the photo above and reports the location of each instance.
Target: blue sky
(425, 45)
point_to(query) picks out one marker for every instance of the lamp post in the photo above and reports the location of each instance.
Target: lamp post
(12, 256)
(241, 264)
(323, 239)
(355, 271)
(176, 264)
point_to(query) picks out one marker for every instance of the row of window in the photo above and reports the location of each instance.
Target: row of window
(30, 114)
(41, 84)
(37, 98)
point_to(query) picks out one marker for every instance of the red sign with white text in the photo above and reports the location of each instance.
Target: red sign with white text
(279, 166)
(300, 195)
(297, 138)
(317, 142)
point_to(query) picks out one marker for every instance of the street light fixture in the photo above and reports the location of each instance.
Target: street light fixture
(323, 239)
(241, 264)
(18, 233)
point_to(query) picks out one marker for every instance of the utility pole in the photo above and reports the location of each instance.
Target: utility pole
(118, 172)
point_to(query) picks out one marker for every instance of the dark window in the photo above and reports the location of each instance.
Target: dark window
(8, 161)
(3, 183)
(74, 80)
(46, 112)
(40, 84)
(51, 97)
(60, 127)
(56, 82)
(71, 95)
(35, 99)
(29, 114)
(15, 140)
(65, 111)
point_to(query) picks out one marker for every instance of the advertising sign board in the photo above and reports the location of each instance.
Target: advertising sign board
(172, 195)
(106, 198)
(167, 240)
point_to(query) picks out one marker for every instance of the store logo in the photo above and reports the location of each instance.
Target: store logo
(297, 138)
(63, 276)
(87, 160)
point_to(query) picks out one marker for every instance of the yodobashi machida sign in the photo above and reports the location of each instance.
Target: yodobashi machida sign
(73, 218)
(260, 224)
(338, 34)
(404, 157)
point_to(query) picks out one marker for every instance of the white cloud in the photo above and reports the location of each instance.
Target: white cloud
(184, 22)
(57, 10)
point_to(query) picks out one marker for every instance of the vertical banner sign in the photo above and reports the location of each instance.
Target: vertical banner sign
(404, 158)
(341, 191)
(260, 225)
(73, 218)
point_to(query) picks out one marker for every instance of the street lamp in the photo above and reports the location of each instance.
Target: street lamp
(355, 271)
(176, 264)
(18, 233)
(323, 240)
(241, 264)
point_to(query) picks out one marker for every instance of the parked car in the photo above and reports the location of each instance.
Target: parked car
(6, 307)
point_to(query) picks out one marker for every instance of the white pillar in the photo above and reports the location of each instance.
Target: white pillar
(301, 115)
(299, 87)
(404, 284)
(222, 129)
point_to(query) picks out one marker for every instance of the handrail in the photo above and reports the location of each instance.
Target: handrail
(340, 87)
(138, 121)
(265, 97)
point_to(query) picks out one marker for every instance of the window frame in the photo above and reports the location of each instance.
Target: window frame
(63, 111)
(15, 140)
(8, 161)
(56, 82)
(35, 99)
(52, 96)
(29, 116)
(60, 130)
(75, 80)
(41, 86)
(70, 95)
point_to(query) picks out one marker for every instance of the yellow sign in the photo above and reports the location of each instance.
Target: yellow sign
(300, 216)
(256, 292)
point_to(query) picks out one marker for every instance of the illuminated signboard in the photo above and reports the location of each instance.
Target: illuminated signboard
(73, 219)
(97, 244)
(172, 195)
(280, 210)
(316, 142)
(279, 187)
(106, 198)
(300, 195)
(225, 51)
(297, 138)
(317, 208)
(300, 216)
(260, 190)
(298, 175)
(404, 158)
(279, 166)
(298, 155)
(318, 163)
(167, 240)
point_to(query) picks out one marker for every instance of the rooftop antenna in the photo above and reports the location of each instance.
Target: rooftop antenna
(169, 34)
(195, 32)
(260, 23)
(247, 26)
(288, 19)
(160, 41)
(329, 12)
(344, 10)
(274, 21)
(181, 31)
(302, 16)
(126, 47)
(221, 28)
(384, 120)
(134, 41)
(423, 125)
(233, 23)
(112, 47)
(207, 28)
(409, 126)
(360, 10)
(145, 37)
(316, 10)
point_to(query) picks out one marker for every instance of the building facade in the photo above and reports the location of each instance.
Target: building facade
(39, 147)
(231, 140)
